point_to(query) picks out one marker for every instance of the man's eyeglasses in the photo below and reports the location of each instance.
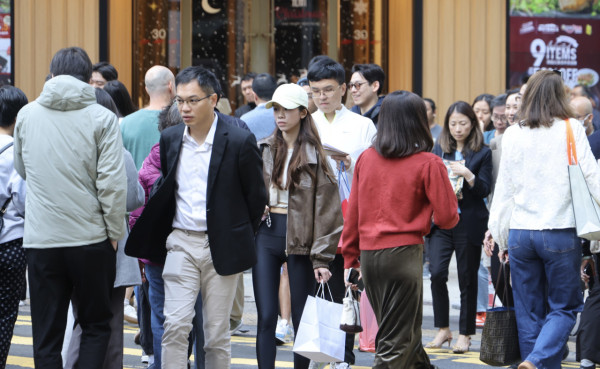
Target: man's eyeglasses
(356, 85)
(327, 91)
(499, 118)
(190, 102)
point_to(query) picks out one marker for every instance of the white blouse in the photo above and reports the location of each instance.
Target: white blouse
(533, 190)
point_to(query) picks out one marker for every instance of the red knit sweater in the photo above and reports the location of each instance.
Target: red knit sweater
(392, 201)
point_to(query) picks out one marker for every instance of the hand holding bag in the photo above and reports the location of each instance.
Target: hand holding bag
(319, 336)
(585, 207)
(499, 338)
(350, 322)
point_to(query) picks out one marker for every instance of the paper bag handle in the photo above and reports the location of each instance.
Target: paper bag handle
(571, 148)
(321, 291)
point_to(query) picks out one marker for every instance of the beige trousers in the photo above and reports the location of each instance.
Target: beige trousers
(188, 270)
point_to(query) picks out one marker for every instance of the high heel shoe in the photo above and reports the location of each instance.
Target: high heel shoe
(462, 349)
(433, 345)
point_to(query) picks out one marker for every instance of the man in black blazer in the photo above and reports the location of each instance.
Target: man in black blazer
(201, 218)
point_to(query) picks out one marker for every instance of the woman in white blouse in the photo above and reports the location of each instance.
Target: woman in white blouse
(532, 219)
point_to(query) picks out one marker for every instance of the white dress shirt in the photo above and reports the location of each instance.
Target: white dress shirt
(349, 132)
(192, 181)
(533, 191)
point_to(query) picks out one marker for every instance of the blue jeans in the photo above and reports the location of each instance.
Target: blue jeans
(545, 280)
(156, 293)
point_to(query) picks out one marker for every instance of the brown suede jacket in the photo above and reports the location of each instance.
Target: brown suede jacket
(314, 219)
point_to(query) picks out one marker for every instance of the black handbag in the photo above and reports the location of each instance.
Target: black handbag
(499, 339)
(3, 210)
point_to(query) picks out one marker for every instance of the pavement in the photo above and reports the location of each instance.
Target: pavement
(243, 343)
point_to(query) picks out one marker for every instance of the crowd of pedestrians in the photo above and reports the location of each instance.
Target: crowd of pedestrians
(152, 215)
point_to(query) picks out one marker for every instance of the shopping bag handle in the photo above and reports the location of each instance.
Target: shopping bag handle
(321, 291)
(571, 148)
(501, 271)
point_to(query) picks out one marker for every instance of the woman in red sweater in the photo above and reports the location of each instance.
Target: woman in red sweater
(398, 185)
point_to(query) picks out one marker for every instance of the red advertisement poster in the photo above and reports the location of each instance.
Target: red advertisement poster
(555, 34)
(5, 42)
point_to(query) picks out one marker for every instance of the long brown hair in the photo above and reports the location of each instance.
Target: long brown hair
(402, 129)
(307, 136)
(544, 99)
(474, 141)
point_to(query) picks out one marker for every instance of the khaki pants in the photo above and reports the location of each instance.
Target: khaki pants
(188, 270)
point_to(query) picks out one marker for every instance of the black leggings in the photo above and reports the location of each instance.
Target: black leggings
(270, 249)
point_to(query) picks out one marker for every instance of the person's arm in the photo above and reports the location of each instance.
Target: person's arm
(111, 182)
(481, 183)
(17, 148)
(440, 194)
(135, 192)
(253, 184)
(327, 220)
(350, 235)
(503, 202)
(18, 190)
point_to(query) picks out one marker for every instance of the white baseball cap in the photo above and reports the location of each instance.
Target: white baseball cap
(290, 96)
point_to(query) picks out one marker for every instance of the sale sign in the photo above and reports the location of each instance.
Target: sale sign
(556, 35)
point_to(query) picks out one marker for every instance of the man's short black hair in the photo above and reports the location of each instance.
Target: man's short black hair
(372, 73)
(326, 68)
(206, 79)
(264, 85)
(317, 58)
(72, 61)
(108, 72)
(499, 100)
(11, 101)
(431, 103)
(248, 77)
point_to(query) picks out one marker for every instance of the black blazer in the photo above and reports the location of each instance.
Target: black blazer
(236, 199)
(472, 206)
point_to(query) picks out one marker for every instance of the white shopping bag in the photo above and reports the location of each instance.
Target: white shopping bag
(319, 336)
(585, 207)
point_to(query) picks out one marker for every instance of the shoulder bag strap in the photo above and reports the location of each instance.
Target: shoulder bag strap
(571, 148)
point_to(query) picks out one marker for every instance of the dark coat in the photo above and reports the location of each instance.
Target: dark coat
(236, 199)
(472, 206)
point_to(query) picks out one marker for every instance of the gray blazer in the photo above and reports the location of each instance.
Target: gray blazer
(128, 271)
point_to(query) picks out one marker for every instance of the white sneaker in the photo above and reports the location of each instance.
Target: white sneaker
(129, 314)
(342, 366)
(284, 333)
(144, 358)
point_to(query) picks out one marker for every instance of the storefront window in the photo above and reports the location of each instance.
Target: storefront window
(300, 34)
(233, 37)
(363, 33)
(218, 40)
(156, 41)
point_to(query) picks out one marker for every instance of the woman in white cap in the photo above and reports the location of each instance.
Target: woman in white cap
(303, 219)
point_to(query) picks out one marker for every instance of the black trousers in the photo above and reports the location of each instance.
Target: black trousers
(394, 283)
(12, 275)
(88, 272)
(144, 314)
(442, 244)
(270, 250)
(503, 290)
(588, 338)
(338, 291)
